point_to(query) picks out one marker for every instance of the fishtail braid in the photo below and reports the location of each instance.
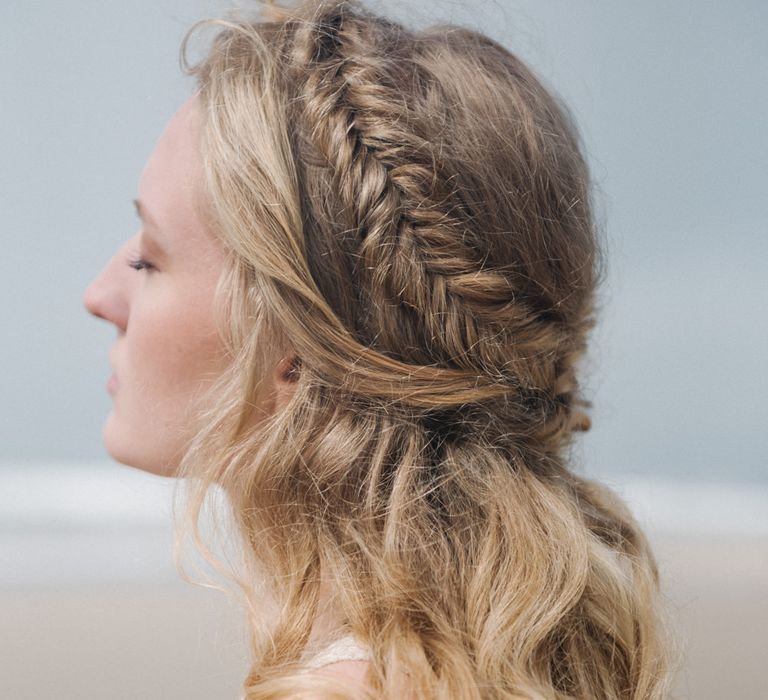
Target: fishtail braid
(425, 294)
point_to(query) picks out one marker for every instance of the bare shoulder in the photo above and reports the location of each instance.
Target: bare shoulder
(353, 676)
(349, 675)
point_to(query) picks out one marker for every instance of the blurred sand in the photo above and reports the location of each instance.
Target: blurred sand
(120, 643)
(178, 642)
(717, 591)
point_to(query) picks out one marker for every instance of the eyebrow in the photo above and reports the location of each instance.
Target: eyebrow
(143, 214)
(149, 239)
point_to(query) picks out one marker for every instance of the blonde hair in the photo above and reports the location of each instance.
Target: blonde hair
(409, 213)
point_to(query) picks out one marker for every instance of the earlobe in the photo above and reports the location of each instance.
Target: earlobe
(288, 369)
(286, 378)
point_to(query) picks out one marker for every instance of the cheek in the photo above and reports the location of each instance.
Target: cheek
(171, 352)
(175, 350)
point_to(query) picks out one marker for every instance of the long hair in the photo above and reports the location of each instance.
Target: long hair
(410, 214)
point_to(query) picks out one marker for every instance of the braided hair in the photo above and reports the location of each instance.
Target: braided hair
(409, 213)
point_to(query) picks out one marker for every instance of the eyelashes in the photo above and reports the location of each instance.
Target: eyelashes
(140, 264)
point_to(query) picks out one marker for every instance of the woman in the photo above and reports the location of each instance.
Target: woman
(364, 279)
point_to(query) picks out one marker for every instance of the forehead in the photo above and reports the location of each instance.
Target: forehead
(169, 182)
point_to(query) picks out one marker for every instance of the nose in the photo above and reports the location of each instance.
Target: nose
(94, 298)
(107, 295)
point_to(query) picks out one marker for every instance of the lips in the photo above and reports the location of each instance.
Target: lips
(112, 381)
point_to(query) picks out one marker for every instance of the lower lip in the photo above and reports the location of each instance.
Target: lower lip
(112, 384)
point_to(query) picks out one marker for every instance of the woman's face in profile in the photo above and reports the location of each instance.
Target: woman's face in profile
(158, 292)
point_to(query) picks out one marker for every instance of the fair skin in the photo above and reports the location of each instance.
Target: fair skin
(158, 292)
(167, 349)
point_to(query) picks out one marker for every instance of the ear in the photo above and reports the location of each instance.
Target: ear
(285, 377)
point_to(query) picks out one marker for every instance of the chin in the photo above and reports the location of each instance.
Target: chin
(133, 452)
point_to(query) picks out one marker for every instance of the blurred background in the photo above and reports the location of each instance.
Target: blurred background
(671, 102)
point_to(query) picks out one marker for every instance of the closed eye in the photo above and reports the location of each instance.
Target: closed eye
(140, 264)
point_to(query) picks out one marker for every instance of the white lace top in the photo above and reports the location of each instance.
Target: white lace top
(343, 649)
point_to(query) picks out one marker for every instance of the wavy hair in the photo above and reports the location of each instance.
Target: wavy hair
(409, 214)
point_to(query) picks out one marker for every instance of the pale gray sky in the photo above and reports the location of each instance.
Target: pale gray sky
(671, 99)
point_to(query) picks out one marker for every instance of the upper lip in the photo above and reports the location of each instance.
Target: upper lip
(112, 362)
